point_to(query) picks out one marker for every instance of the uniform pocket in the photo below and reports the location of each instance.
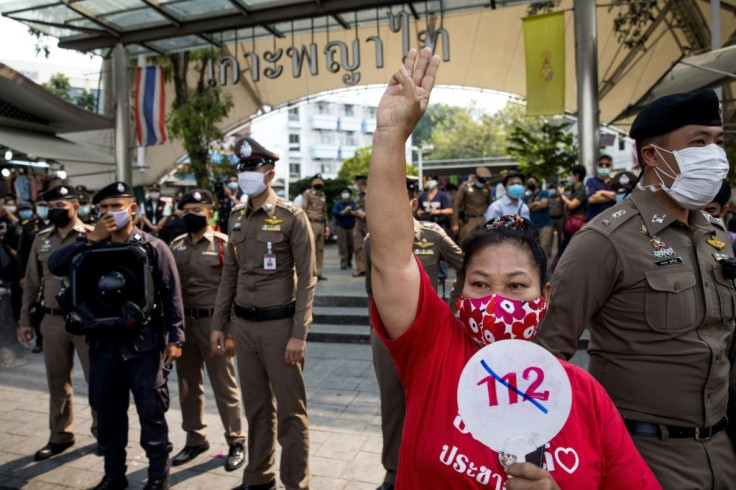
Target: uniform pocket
(671, 301)
(726, 295)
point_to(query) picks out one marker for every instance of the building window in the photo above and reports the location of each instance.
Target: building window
(349, 111)
(322, 108)
(350, 140)
(621, 144)
(325, 138)
(293, 141)
(295, 169)
(294, 114)
(326, 168)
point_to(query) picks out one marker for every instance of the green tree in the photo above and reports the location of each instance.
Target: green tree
(86, 100)
(196, 112)
(358, 164)
(436, 115)
(546, 152)
(60, 86)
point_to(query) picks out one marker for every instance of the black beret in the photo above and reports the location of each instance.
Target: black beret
(154, 187)
(675, 111)
(81, 188)
(60, 192)
(196, 196)
(116, 189)
(24, 205)
(83, 196)
(317, 176)
(251, 154)
(361, 177)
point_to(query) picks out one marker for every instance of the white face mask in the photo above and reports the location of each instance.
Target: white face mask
(251, 183)
(121, 217)
(155, 195)
(702, 170)
(345, 196)
(431, 184)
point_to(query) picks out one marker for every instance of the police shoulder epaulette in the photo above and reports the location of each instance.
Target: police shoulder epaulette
(428, 225)
(718, 222)
(290, 206)
(240, 206)
(88, 228)
(221, 236)
(611, 219)
(176, 241)
(46, 230)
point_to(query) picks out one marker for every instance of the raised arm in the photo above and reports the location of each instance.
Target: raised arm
(395, 274)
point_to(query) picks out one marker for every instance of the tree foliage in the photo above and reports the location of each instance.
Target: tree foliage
(436, 115)
(196, 112)
(60, 86)
(632, 19)
(545, 152)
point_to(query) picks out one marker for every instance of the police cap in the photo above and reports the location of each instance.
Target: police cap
(361, 177)
(196, 196)
(482, 173)
(412, 185)
(317, 176)
(83, 196)
(252, 155)
(671, 112)
(24, 205)
(116, 189)
(154, 187)
(60, 192)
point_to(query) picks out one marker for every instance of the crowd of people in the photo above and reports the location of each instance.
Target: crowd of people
(647, 266)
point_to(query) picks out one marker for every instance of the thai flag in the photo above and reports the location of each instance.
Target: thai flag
(150, 106)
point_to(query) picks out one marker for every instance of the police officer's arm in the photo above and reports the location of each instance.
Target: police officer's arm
(167, 282)
(450, 252)
(395, 273)
(224, 302)
(305, 263)
(61, 260)
(583, 281)
(457, 207)
(31, 288)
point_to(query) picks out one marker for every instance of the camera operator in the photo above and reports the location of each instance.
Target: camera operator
(42, 285)
(134, 359)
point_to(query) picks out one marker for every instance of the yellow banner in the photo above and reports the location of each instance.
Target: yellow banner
(544, 45)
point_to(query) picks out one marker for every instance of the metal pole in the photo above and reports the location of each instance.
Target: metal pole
(421, 171)
(715, 33)
(140, 160)
(586, 64)
(122, 114)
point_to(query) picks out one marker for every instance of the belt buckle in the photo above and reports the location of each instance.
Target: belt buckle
(699, 431)
(193, 314)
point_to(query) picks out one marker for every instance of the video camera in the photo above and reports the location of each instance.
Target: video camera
(110, 288)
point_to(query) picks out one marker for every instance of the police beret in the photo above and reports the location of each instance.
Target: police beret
(24, 205)
(60, 192)
(196, 196)
(361, 177)
(81, 188)
(251, 154)
(154, 187)
(482, 173)
(317, 176)
(83, 196)
(116, 189)
(675, 111)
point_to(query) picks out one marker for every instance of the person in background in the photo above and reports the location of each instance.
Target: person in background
(599, 194)
(86, 212)
(471, 201)
(29, 228)
(200, 256)
(9, 235)
(361, 228)
(230, 196)
(344, 212)
(42, 213)
(314, 203)
(511, 203)
(575, 203)
(154, 211)
(175, 225)
(718, 208)
(537, 200)
(556, 214)
(435, 205)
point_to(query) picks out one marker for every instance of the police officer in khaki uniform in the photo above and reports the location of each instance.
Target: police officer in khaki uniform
(431, 244)
(59, 345)
(646, 276)
(199, 256)
(361, 228)
(314, 203)
(265, 303)
(471, 202)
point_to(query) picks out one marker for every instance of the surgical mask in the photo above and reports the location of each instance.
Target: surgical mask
(59, 217)
(431, 184)
(11, 208)
(515, 191)
(604, 172)
(702, 170)
(25, 214)
(42, 212)
(251, 183)
(194, 222)
(494, 318)
(480, 184)
(84, 211)
(233, 186)
(345, 196)
(155, 195)
(121, 217)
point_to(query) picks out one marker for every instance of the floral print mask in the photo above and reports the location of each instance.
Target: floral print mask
(495, 318)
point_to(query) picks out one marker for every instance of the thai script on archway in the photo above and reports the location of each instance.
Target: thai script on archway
(337, 56)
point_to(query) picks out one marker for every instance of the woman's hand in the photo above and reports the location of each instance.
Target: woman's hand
(527, 476)
(407, 95)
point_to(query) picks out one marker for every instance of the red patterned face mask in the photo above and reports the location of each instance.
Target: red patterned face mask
(495, 318)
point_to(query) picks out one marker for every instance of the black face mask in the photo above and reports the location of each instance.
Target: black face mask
(531, 187)
(59, 217)
(318, 187)
(194, 222)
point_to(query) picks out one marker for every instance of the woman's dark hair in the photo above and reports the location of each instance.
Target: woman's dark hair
(578, 170)
(508, 229)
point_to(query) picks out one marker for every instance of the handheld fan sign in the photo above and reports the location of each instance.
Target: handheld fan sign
(514, 397)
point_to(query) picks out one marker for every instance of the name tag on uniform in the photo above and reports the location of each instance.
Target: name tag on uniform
(269, 263)
(423, 251)
(237, 225)
(46, 246)
(671, 261)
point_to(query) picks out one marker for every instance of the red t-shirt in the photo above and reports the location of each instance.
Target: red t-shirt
(593, 449)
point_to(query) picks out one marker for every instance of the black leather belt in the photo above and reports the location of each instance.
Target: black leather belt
(476, 216)
(196, 313)
(700, 434)
(52, 311)
(316, 220)
(256, 314)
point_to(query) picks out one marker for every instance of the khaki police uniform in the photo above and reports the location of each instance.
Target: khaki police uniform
(248, 297)
(314, 204)
(661, 318)
(469, 208)
(58, 345)
(431, 244)
(360, 231)
(200, 270)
